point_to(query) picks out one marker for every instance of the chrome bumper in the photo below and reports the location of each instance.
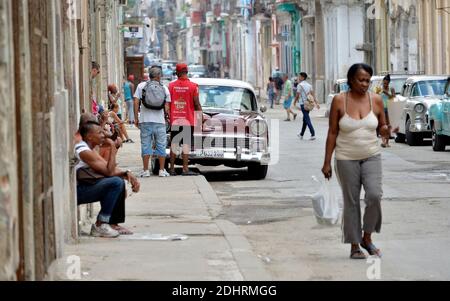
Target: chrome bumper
(227, 154)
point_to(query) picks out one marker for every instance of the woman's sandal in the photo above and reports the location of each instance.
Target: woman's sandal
(357, 254)
(373, 251)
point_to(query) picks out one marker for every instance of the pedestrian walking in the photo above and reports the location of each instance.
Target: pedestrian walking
(387, 94)
(185, 112)
(128, 92)
(152, 100)
(278, 89)
(288, 97)
(304, 89)
(355, 117)
(271, 91)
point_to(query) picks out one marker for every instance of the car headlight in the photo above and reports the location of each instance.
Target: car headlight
(258, 128)
(419, 108)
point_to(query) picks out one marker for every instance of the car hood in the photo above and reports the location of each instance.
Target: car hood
(221, 119)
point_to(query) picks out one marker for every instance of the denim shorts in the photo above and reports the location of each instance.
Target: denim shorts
(150, 130)
(287, 103)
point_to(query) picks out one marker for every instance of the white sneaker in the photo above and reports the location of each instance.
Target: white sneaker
(164, 174)
(104, 230)
(312, 138)
(145, 174)
(300, 136)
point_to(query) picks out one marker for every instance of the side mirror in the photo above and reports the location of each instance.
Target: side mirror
(263, 109)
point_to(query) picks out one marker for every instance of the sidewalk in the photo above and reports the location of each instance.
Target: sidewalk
(214, 250)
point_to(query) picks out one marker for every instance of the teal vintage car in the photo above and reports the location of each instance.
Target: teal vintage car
(440, 121)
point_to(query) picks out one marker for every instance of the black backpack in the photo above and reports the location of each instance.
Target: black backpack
(154, 96)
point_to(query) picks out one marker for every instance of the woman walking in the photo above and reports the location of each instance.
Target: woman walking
(387, 94)
(355, 117)
(271, 91)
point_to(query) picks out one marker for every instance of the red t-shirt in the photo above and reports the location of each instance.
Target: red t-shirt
(182, 109)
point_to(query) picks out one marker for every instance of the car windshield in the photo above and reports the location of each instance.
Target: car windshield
(226, 98)
(429, 88)
(197, 69)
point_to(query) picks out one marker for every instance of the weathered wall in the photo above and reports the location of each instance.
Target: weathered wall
(9, 241)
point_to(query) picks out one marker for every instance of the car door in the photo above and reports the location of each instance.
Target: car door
(446, 117)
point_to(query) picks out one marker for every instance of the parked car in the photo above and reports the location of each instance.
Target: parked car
(410, 110)
(339, 86)
(397, 82)
(197, 71)
(440, 124)
(234, 132)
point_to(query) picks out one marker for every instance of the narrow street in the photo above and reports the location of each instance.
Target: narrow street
(276, 214)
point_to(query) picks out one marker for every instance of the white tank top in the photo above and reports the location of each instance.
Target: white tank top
(357, 138)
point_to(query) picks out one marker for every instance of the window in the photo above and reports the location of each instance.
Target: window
(227, 98)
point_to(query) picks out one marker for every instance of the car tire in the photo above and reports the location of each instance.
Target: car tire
(258, 171)
(437, 141)
(400, 138)
(412, 139)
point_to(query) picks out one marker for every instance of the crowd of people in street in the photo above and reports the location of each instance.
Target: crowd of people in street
(299, 95)
(102, 133)
(357, 119)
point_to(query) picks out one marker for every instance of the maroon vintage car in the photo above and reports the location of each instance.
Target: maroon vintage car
(234, 133)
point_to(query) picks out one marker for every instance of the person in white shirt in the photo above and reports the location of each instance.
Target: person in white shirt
(99, 180)
(152, 123)
(303, 89)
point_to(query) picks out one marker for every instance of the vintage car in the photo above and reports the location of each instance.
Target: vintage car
(440, 123)
(233, 133)
(410, 110)
(397, 82)
(339, 86)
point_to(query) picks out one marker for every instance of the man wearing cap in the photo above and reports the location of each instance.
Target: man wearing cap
(184, 109)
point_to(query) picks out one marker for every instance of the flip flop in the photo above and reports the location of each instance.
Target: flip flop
(357, 254)
(371, 249)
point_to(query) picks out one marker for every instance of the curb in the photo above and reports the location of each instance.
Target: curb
(251, 267)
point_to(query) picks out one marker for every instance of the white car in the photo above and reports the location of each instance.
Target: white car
(410, 111)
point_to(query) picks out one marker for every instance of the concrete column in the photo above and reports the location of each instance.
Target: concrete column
(24, 141)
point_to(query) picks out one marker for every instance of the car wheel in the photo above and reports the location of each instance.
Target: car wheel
(437, 141)
(257, 171)
(400, 138)
(412, 139)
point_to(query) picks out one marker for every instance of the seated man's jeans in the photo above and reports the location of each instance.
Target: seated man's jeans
(110, 192)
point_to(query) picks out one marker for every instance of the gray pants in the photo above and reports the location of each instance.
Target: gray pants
(352, 175)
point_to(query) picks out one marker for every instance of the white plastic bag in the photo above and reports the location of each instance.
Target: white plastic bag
(325, 204)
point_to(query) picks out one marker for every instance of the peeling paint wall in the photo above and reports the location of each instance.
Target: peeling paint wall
(9, 242)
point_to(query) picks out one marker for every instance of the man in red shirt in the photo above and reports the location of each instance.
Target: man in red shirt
(184, 109)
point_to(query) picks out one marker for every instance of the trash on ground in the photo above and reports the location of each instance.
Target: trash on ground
(156, 237)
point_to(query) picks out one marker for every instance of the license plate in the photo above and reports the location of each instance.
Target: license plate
(209, 153)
